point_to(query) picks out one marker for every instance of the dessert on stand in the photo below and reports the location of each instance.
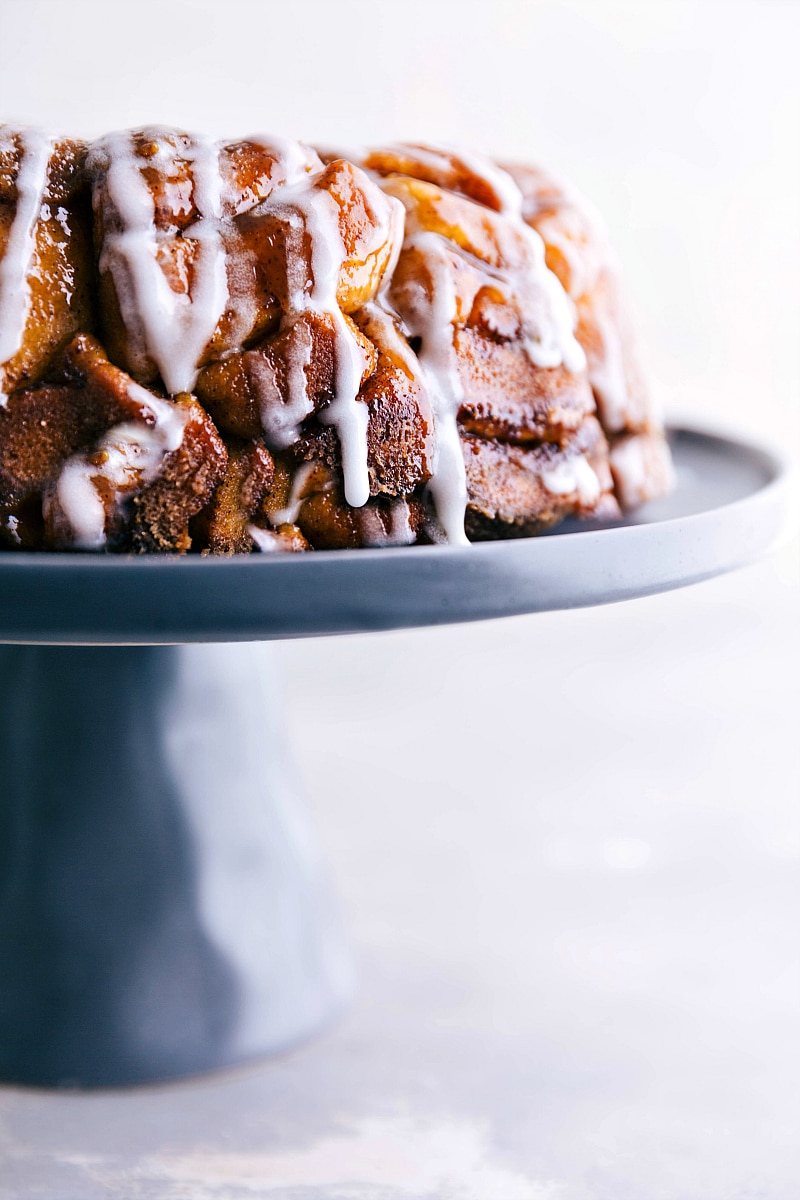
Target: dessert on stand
(254, 391)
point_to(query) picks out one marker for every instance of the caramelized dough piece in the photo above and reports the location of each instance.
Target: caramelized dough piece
(271, 389)
(515, 491)
(40, 428)
(162, 511)
(488, 236)
(495, 266)
(456, 171)
(189, 250)
(340, 207)
(400, 435)
(330, 524)
(308, 498)
(204, 249)
(507, 397)
(400, 427)
(255, 391)
(163, 289)
(222, 527)
(46, 276)
(253, 168)
(137, 481)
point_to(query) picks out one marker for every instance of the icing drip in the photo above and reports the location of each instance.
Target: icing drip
(283, 409)
(313, 211)
(642, 469)
(349, 416)
(550, 340)
(125, 460)
(291, 161)
(12, 525)
(291, 511)
(265, 540)
(176, 326)
(574, 475)
(399, 533)
(432, 321)
(20, 248)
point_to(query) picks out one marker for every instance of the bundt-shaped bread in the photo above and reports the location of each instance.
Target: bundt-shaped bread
(252, 345)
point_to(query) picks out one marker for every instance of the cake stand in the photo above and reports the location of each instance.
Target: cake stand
(163, 909)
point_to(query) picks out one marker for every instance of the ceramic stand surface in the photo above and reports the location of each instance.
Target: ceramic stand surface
(162, 906)
(162, 909)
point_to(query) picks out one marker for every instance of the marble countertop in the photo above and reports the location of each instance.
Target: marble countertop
(567, 848)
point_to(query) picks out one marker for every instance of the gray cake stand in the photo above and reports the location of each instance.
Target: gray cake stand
(163, 910)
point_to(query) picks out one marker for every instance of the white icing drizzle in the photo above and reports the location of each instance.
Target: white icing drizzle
(582, 268)
(399, 533)
(572, 475)
(442, 158)
(12, 525)
(294, 158)
(311, 210)
(265, 540)
(548, 318)
(126, 459)
(578, 232)
(177, 327)
(283, 410)
(385, 321)
(350, 416)
(15, 267)
(549, 338)
(498, 180)
(642, 468)
(432, 321)
(291, 511)
(284, 424)
(291, 160)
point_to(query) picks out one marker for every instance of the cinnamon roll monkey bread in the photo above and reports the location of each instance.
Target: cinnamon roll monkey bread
(255, 345)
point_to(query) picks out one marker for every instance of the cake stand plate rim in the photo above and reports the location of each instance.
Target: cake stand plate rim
(732, 503)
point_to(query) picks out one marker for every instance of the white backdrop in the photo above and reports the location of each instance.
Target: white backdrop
(680, 118)
(633, 771)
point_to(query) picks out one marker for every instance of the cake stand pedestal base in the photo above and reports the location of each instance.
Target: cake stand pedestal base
(163, 910)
